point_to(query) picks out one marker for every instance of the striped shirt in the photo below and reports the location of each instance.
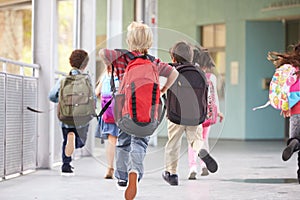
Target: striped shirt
(121, 60)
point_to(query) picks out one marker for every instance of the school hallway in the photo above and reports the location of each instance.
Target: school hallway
(248, 170)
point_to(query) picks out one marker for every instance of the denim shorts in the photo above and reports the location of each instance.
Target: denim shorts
(105, 129)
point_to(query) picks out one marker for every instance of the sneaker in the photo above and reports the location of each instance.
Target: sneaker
(193, 173)
(289, 150)
(121, 184)
(70, 146)
(211, 164)
(131, 189)
(204, 172)
(172, 179)
(66, 170)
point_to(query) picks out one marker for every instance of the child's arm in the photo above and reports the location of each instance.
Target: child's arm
(213, 79)
(170, 80)
(285, 113)
(98, 89)
(54, 92)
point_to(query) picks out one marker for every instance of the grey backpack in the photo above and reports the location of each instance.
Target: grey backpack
(76, 104)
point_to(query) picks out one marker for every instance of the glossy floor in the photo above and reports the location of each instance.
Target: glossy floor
(247, 170)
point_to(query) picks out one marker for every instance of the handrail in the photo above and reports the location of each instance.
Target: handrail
(34, 66)
(60, 73)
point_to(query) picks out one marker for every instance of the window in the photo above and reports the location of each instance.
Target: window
(65, 34)
(15, 35)
(213, 37)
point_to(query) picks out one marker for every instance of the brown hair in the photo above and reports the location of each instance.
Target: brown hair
(182, 52)
(79, 59)
(202, 58)
(291, 57)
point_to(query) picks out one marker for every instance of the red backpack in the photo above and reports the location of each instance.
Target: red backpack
(138, 108)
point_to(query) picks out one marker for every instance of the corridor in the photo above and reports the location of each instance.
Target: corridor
(248, 170)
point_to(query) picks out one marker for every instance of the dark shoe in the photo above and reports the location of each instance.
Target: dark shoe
(66, 170)
(121, 184)
(211, 164)
(172, 179)
(131, 190)
(289, 150)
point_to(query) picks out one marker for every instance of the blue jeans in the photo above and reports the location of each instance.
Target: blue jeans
(80, 138)
(130, 154)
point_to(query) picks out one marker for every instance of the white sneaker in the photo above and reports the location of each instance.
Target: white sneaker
(193, 173)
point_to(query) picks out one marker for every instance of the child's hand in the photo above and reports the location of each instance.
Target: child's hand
(221, 116)
(285, 113)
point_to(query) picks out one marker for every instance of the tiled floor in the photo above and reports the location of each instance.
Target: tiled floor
(247, 170)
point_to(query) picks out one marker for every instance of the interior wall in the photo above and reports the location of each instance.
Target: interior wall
(234, 13)
(184, 19)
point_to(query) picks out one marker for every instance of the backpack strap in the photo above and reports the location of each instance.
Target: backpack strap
(113, 90)
(104, 108)
(132, 56)
(126, 52)
(164, 102)
(146, 56)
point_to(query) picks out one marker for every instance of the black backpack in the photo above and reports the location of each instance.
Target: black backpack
(187, 97)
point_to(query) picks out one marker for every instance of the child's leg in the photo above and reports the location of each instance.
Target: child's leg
(70, 146)
(293, 142)
(205, 135)
(110, 155)
(66, 159)
(192, 157)
(81, 136)
(110, 150)
(298, 171)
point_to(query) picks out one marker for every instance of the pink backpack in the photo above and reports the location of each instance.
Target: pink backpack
(212, 111)
(106, 96)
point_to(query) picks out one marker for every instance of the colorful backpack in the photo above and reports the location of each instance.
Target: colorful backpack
(279, 90)
(187, 97)
(138, 108)
(212, 111)
(76, 103)
(106, 96)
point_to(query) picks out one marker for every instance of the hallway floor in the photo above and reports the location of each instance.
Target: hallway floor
(248, 170)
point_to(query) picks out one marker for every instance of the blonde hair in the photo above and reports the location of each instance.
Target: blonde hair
(139, 37)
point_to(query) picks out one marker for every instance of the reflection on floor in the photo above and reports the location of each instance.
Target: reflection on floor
(247, 170)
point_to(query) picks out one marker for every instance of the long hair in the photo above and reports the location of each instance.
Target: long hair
(202, 58)
(291, 57)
